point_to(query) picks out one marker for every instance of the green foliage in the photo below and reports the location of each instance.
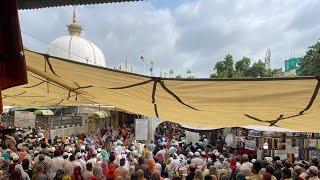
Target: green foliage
(243, 65)
(224, 69)
(242, 68)
(310, 63)
(214, 75)
(178, 76)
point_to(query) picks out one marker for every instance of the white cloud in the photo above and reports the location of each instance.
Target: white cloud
(194, 34)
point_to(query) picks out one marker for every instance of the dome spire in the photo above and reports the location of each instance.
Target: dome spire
(74, 29)
(74, 18)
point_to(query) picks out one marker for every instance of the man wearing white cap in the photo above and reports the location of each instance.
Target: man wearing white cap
(83, 152)
(56, 163)
(198, 161)
(313, 173)
(99, 153)
(65, 157)
(219, 160)
(80, 161)
(246, 164)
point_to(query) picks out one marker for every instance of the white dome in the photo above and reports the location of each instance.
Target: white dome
(78, 49)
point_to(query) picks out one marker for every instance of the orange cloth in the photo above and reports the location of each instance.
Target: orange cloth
(12, 62)
(151, 165)
(111, 172)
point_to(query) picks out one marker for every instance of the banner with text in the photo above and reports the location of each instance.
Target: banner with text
(251, 145)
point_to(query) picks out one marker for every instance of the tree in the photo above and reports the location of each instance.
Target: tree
(243, 65)
(242, 68)
(219, 67)
(214, 75)
(310, 63)
(178, 77)
(228, 65)
(224, 69)
(259, 69)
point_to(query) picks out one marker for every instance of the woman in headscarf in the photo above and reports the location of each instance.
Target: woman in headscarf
(233, 164)
(104, 155)
(76, 175)
(6, 155)
(104, 167)
(145, 152)
(111, 173)
(151, 165)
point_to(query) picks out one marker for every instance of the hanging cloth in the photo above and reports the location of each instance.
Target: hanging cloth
(12, 62)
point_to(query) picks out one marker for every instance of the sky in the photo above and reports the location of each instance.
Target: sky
(183, 34)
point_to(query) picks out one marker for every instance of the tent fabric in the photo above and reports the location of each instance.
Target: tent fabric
(254, 127)
(290, 103)
(12, 62)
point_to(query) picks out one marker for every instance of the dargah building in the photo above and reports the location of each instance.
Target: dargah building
(65, 120)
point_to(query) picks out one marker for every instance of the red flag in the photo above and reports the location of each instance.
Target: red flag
(12, 62)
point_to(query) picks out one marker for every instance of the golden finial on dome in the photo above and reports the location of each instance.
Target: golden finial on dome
(74, 29)
(74, 18)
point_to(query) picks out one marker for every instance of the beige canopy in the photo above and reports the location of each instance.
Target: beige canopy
(212, 103)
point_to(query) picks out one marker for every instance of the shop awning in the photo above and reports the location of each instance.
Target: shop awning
(44, 112)
(291, 103)
(98, 115)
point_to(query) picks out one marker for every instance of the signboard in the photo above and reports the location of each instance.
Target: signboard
(254, 133)
(251, 145)
(314, 154)
(283, 154)
(313, 142)
(142, 129)
(24, 119)
(292, 64)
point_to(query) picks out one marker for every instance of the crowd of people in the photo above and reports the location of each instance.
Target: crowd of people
(115, 155)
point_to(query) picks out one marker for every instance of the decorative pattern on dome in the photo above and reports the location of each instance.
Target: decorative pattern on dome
(74, 28)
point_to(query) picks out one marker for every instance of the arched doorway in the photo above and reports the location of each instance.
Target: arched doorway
(167, 131)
